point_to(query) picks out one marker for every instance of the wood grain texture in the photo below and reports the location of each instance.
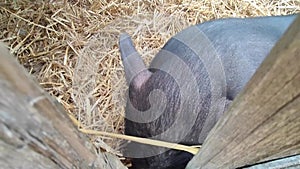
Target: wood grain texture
(263, 122)
(35, 131)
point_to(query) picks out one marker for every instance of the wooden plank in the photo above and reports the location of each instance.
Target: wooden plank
(292, 162)
(263, 122)
(35, 131)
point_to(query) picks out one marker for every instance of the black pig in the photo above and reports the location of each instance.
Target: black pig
(190, 83)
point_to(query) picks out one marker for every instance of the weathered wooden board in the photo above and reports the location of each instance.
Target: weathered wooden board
(292, 162)
(35, 131)
(263, 122)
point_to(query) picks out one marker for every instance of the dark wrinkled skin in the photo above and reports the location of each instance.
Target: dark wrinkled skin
(241, 45)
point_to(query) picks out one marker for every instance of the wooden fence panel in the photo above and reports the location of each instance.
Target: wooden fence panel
(35, 131)
(263, 122)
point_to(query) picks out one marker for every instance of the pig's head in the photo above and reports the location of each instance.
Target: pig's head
(164, 103)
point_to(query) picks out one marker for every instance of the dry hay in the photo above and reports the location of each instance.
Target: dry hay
(71, 46)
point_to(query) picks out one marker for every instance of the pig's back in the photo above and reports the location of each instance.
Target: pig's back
(240, 45)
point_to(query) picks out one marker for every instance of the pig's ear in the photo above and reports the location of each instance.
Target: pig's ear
(135, 69)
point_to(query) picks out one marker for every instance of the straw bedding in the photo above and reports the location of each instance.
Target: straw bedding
(71, 47)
